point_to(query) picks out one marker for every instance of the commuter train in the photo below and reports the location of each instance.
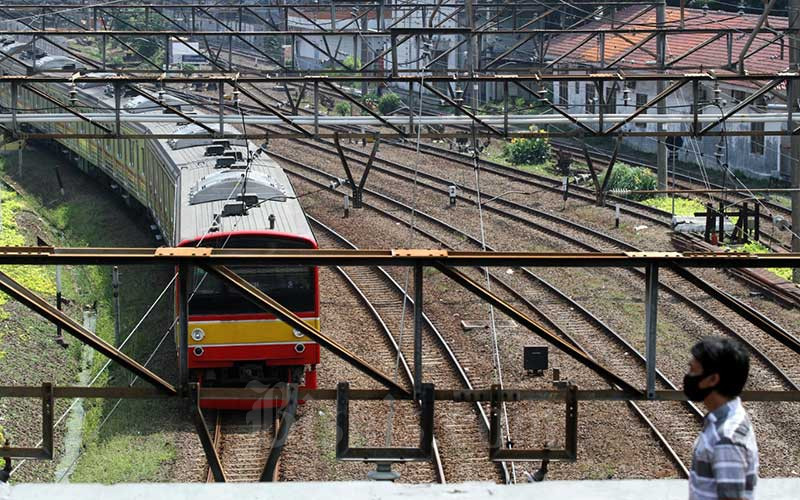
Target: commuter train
(190, 188)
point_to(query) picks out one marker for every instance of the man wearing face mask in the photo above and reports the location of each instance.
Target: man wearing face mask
(725, 457)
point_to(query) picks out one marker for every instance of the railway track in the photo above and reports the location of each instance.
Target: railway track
(585, 238)
(676, 422)
(460, 430)
(573, 323)
(242, 444)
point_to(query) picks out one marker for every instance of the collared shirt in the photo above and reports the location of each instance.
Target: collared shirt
(725, 458)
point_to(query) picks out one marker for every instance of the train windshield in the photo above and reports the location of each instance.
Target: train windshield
(292, 286)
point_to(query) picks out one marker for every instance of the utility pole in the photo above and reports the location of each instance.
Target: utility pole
(474, 56)
(794, 63)
(364, 53)
(661, 50)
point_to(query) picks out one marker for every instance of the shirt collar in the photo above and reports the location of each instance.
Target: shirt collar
(723, 411)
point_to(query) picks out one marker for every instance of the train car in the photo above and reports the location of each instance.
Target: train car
(189, 187)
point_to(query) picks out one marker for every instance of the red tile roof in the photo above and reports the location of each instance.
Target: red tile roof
(768, 60)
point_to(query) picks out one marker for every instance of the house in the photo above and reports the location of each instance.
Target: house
(757, 156)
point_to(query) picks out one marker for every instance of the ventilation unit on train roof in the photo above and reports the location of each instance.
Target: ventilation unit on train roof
(228, 185)
(194, 129)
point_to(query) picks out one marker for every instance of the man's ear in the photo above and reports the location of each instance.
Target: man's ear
(709, 381)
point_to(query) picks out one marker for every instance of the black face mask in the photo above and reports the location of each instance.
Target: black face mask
(691, 387)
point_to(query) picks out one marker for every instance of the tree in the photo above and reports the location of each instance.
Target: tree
(389, 103)
(342, 108)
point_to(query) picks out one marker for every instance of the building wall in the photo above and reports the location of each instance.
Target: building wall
(742, 154)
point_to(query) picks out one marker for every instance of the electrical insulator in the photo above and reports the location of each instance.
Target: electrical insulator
(73, 94)
(718, 153)
(717, 94)
(459, 93)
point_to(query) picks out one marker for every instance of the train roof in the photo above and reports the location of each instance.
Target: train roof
(196, 171)
(266, 179)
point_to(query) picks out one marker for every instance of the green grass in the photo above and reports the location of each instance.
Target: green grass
(132, 445)
(756, 247)
(325, 436)
(37, 278)
(683, 206)
(125, 459)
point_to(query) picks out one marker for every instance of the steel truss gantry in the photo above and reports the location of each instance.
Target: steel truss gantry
(506, 35)
(705, 118)
(216, 261)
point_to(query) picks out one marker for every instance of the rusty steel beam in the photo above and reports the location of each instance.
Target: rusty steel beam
(263, 300)
(45, 452)
(260, 134)
(43, 308)
(743, 104)
(535, 327)
(385, 257)
(756, 31)
(649, 104)
(207, 442)
(477, 77)
(442, 394)
(272, 109)
(462, 108)
(363, 107)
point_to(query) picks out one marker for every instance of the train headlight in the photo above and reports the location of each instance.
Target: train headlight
(297, 333)
(198, 351)
(299, 348)
(198, 334)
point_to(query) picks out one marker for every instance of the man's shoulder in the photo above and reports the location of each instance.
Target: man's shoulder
(736, 429)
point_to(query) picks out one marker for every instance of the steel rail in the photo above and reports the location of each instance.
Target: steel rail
(684, 177)
(668, 448)
(742, 309)
(693, 304)
(445, 345)
(386, 331)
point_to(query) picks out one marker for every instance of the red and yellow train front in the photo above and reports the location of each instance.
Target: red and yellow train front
(233, 342)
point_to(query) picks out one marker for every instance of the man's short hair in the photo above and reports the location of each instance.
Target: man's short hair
(727, 358)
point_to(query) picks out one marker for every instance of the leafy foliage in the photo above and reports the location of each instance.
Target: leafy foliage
(683, 206)
(342, 108)
(527, 151)
(388, 103)
(756, 247)
(370, 100)
(624, 176)
(352, 63)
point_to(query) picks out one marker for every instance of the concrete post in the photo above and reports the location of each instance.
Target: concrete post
(794, 63)
(661, 49)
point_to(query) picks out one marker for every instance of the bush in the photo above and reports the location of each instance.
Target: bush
(389, 102)
(352, 63)
(624, 176)
(342, 108)
(527, 151)
(370, 100)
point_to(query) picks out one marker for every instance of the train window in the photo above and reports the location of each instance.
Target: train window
(292, 286)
